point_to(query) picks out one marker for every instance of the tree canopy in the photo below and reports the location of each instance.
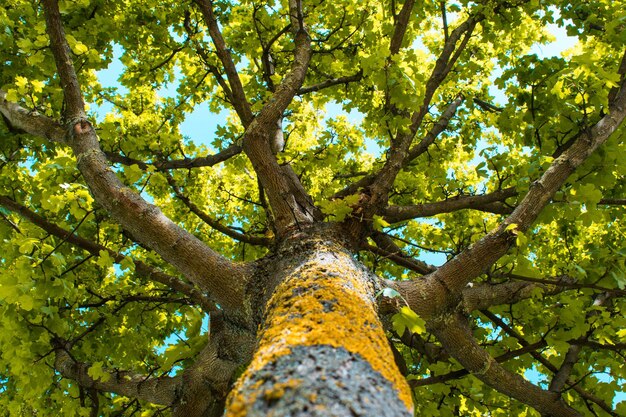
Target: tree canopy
(482, 182)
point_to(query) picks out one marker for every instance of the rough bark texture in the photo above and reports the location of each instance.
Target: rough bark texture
(321, 381)
(321, 328)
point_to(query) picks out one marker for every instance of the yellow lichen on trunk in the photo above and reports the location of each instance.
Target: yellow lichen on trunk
(324, 303)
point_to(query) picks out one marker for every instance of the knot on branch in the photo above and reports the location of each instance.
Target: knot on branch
(78, 126)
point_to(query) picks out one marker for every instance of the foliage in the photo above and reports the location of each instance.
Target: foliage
(519, 111)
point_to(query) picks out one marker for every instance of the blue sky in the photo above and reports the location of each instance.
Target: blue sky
(200, 125)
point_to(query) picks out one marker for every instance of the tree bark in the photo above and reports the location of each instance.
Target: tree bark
(322, 350)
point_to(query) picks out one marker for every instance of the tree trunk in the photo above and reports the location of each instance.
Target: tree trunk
(322, 350)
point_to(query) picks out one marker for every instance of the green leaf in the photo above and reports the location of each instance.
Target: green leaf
(97, 372)
(133, 173)
(620, 277)
(104, 259)
(339, 208)
(26, 302)
(12, 95)
(80, 48)
(408, 319)
(379, 223)
(127, 264)
(27, 245)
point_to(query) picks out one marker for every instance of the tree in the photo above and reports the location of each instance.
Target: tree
(290, 272)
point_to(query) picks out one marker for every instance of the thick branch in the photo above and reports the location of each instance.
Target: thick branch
(560, 378)
(290, 203)
(74, 104)
(463, 372)
(402, 22)
(483, 296)
(414, 152)
(142, 269)
(157, 390)
(396, 214)
(473, 261)
(456, 338)
(201, 265)
(197, 398)
(31, 121)
(239, 97)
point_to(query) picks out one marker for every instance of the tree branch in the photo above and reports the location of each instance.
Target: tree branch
(252, 240)
(291, 206)
(387, 247)
(470, 263)
(197, 398)
(566, 281)
(242, 107)
(400, 259)
(613, 201)
(31, 121)
(45, 127)
(596, 345)
(456, 338)
(201, 265)
(436, 130)
(463, 372)
(142, 269)
(331, 82)
(560, 378)
(483, 296)
(205, 59)
(396, 214)
(414, 152)
(186, 163)
(402, 22)
(399, 152)
(487, 106)
(157, 390)
(536, 355)
(433, 351)
(622, 72)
